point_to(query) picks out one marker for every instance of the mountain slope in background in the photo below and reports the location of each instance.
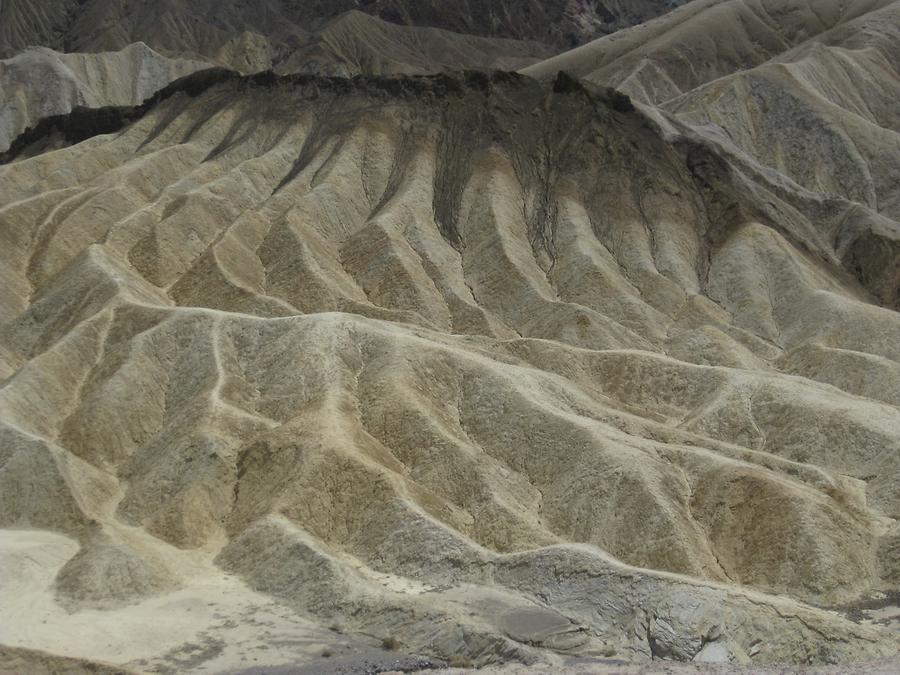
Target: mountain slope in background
(40, 83)
(824, 114)
(250, 36)
(702, 41)
(356, 43)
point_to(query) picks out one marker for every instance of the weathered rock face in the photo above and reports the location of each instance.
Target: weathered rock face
(804, 93)
(484, 364)
(822, 114)
(356, 43)
(704, 40)
(40, 83)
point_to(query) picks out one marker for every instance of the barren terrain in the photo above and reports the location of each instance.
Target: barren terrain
(302, 371)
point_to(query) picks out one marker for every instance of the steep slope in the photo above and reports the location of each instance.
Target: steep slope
(817, 116)
(446, 359)
(356, 43)
(824, 114)
(561, 23)
(700, 42)
(27, 24)
(251, 38)
(243, 35)
(40, 83)
(246, 35)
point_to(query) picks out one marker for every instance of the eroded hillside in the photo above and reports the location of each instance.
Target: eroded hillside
(446, 358)
(40, 83)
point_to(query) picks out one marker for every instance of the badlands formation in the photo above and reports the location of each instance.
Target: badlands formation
(311, 373)
(39, 83)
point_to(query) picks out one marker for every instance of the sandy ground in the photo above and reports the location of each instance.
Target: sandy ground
(215, 624)
(886, 667)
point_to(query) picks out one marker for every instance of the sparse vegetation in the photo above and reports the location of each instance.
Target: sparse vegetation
(459, 661)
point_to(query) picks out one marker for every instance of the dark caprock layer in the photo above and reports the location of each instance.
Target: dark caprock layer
(476, 109)
(83, 123)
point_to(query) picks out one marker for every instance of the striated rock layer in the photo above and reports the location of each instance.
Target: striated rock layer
(491, 367)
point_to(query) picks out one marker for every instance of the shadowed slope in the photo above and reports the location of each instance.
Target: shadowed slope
(41, 83)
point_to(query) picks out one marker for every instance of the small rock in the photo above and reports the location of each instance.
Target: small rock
(713, 652)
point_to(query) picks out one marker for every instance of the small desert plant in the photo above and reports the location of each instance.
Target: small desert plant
(459, 661)
(327, 653)
(336, 628)
(620, 102)
(390, 643)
